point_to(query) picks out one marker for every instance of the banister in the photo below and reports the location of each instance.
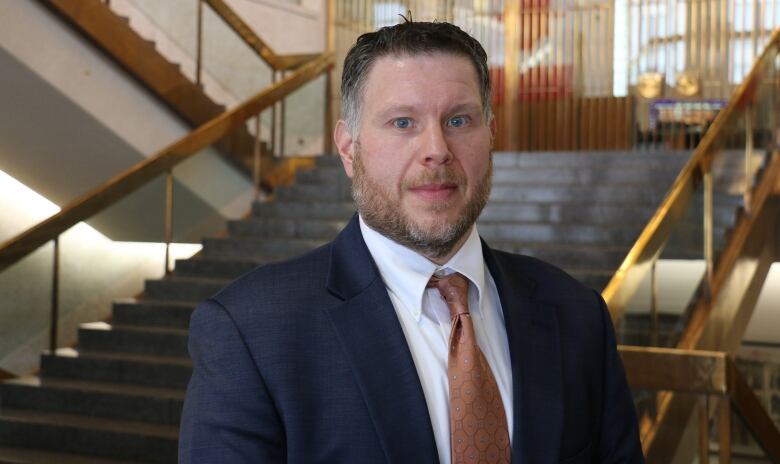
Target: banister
(649, 245)
(693, 371)
(263, 50)
(701, 372)
(127, 182)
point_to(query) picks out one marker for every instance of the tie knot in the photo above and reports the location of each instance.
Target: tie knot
(454, 288)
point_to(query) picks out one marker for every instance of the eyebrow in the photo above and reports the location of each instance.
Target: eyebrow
(466, 107)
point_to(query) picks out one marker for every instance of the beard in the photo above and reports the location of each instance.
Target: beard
(435, 237)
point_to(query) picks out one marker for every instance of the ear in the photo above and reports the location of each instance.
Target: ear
(345, 145)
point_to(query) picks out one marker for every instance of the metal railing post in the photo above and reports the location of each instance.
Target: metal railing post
(55, 297)
(330, 46)
(724, 430)
(654, 303)
(748, 156)
(168, 219)
(282, 111)
(273, 117)
(256, 179)
(199, 43)
(704, 430)
(709, 252)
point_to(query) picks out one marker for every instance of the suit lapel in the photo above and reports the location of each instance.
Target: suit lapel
(534, 347)
(372, 338)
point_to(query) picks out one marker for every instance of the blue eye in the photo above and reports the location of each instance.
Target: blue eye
(402, 123)
(457, 121)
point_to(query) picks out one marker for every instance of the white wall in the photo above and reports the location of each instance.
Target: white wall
(232, 71)
(52, 52)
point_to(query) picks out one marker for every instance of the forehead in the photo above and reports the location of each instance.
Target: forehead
(436, 74)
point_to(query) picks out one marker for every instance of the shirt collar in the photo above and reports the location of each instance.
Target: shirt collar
(406, 273)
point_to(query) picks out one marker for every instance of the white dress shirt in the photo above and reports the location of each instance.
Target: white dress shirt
(425, 320)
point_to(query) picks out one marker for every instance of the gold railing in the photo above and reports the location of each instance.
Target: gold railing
(279, 64)
(271, 58)
(698, 171)
(733, 272)
(122, 185)
(710, 375)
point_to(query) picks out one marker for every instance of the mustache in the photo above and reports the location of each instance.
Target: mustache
(439, 176)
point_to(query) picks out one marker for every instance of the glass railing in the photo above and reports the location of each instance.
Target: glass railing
(677, 257)
(692, 278)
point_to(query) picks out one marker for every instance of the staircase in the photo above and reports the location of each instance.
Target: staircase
(118, 396)
(114, 35)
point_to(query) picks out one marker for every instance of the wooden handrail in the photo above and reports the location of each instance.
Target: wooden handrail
(263, 50)
(651, 241)
(702, 372)
(127, 182)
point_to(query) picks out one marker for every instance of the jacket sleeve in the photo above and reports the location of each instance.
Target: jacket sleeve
(619, 436)
(228, 413)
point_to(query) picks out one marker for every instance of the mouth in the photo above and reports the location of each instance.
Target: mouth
(435, 191)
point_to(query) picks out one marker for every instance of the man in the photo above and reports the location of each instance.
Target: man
(407, 339)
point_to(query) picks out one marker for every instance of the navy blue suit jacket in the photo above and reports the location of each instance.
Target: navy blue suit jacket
(305, 362)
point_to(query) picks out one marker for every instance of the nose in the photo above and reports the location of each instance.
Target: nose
(435, 149)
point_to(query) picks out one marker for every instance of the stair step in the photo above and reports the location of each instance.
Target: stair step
(252, 247)
(603, 194)
(637, 160)
(567, 255)
(215, 268)
(175, 288)
(297, 228)
(106, 338)
(125, 369)
(147, 312)
(561, 213)
(103, 438)
(311, 209)
(27, 456)
(110, 401)
(571, 233)
(300, 192)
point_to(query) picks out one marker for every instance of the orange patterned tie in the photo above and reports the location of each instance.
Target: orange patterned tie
(478, 427)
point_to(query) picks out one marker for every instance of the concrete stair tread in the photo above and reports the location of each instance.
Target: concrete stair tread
(25, 456)
(148, 311)
(497, 244)
(141, 358)
(105, 326)
(193, 279)
(88, 422)
(225, 259)
(174, 304)
(98, 387)
(570, 224)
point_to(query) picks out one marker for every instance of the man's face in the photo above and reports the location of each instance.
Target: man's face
(421, 164)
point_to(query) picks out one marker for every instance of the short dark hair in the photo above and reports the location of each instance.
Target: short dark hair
(407, 38)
